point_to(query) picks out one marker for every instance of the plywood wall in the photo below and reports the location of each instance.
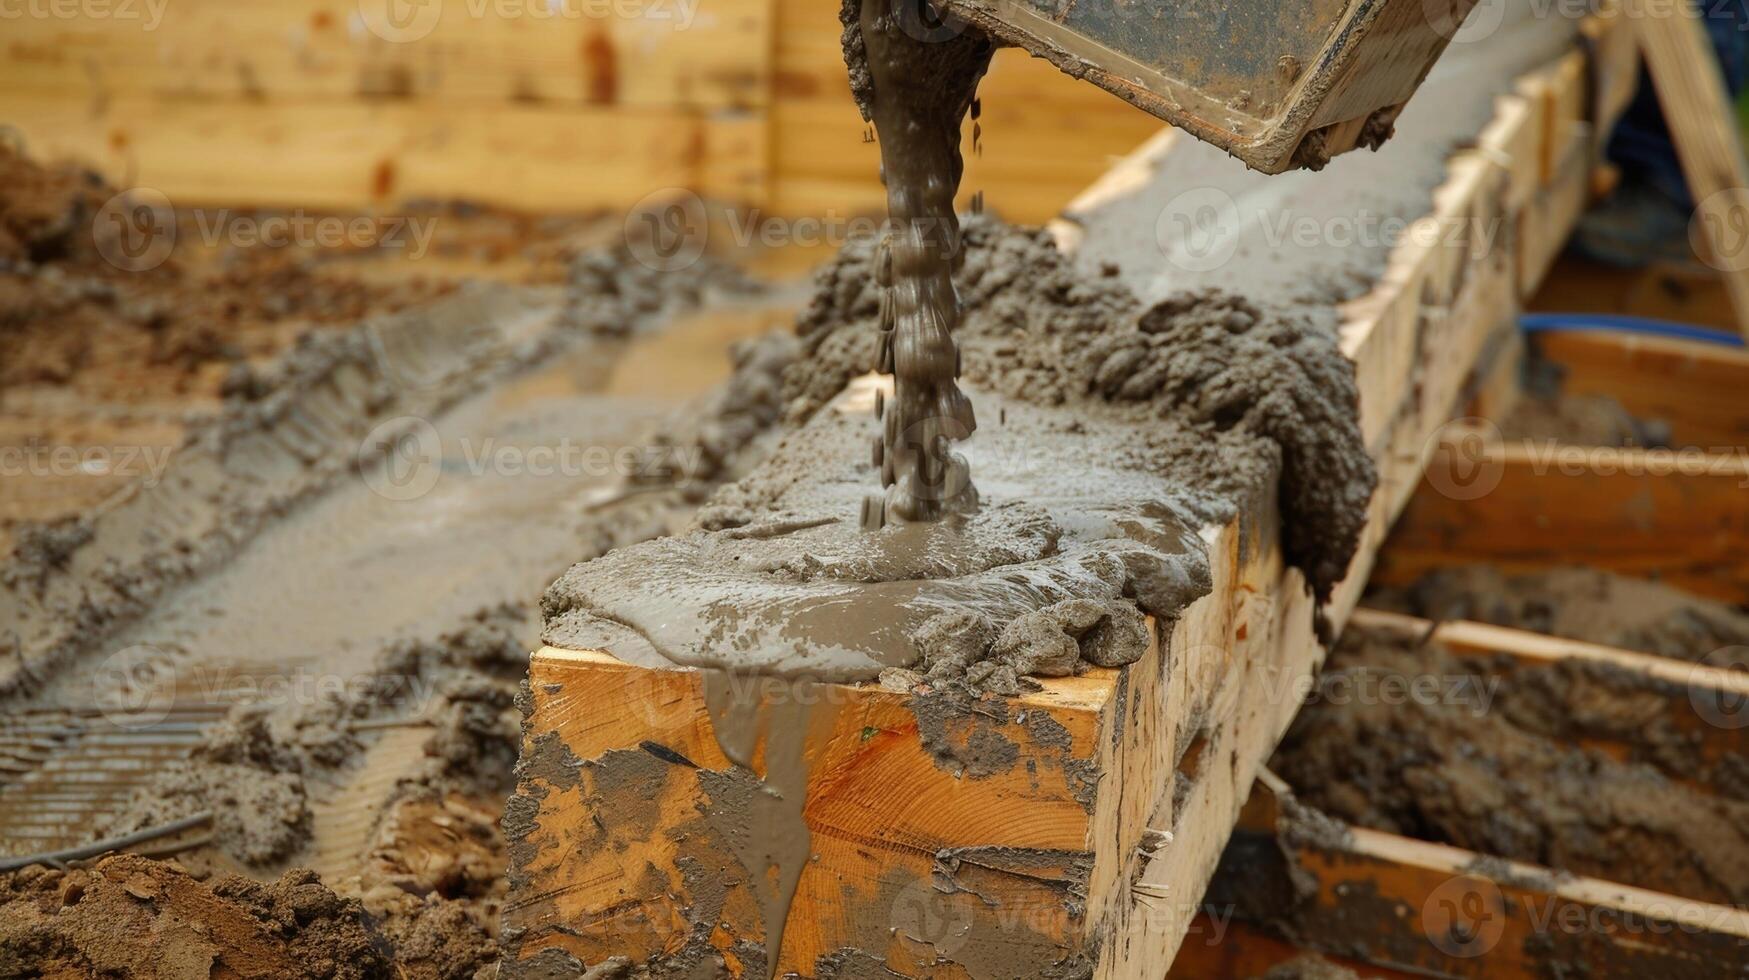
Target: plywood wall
(538, 104)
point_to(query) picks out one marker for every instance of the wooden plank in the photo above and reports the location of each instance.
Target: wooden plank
(1173, 741)
(1678, 516)
(1245, 951)
(877, 850)
(1427, 909)
(1697, 389)
(1703, 708)
(1661, 291)
(1703, 126)
(356, 154)
(654, 54)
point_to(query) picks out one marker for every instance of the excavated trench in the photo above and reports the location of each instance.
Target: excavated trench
(307, 629)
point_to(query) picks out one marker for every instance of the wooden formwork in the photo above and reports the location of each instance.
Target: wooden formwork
(1294, 883)
(1103, 853)
(1677, 514)
(1388, 906)
(563, 106)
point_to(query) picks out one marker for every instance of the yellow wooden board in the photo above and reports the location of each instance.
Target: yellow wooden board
(346, 154)
(655, 53)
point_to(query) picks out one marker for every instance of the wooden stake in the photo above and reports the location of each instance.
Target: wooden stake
(1703, 126)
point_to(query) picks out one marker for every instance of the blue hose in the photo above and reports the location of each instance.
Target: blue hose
(1614, 322)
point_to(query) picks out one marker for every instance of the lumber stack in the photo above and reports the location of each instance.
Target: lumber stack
(1130, 781)
(563, 106)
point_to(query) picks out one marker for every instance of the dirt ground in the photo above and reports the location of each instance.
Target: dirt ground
(104, 346)
(354, 808)
(1513, 770)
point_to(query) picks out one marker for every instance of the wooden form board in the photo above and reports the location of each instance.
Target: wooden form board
(1170, 744)
(1680, 516)
(1706, 706)
(1394, 906)
(360, 154)
(569, 105)
(1390, 906)
(1703, 126)
(1699, 390)
(663, 54)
